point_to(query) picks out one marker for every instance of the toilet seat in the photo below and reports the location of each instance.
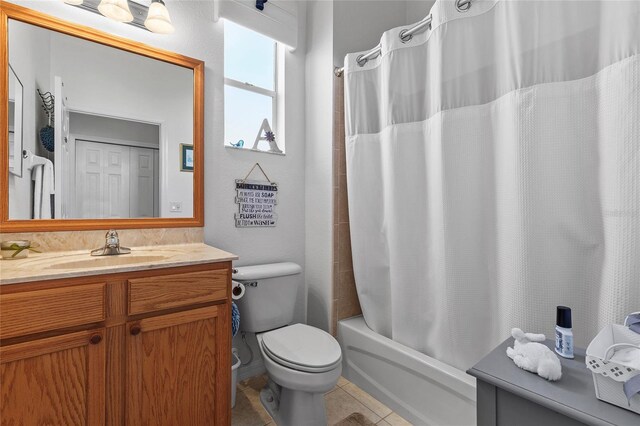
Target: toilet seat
(302, 347)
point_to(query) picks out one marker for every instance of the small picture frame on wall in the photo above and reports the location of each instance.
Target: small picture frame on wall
(186, 158)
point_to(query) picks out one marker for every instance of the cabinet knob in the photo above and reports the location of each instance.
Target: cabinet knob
(135, 330)
(95, 339)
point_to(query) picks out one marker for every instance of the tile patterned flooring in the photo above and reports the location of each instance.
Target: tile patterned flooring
(344, 400)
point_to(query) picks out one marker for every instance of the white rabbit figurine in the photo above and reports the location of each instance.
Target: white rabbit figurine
(532, 356)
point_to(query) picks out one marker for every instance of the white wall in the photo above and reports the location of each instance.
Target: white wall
(417, 10)
(359, 24)
(199, 37)
(29, 58)
(319, 158)
(286, 241)
(334, 28)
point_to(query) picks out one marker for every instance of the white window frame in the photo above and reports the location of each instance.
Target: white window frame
(262, 91)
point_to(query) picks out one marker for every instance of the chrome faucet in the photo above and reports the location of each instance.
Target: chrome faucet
(111, 246)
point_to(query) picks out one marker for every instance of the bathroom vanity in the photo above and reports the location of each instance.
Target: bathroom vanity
(139, 338)
(117, 340)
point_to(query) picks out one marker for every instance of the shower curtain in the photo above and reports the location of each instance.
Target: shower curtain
(493, 167)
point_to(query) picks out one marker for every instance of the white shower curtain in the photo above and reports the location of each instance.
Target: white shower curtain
(493, 168)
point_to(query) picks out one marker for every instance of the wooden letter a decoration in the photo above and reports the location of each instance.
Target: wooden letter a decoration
(265, 134)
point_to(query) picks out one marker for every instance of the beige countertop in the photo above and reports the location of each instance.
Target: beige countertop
(67, 264)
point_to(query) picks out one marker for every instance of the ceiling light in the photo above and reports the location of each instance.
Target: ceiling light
(118, 10)
(154, 18)
(158, 19)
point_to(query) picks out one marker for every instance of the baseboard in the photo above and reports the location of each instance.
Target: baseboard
(254, 369)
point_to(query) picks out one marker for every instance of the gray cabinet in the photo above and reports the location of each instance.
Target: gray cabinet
(507, 395)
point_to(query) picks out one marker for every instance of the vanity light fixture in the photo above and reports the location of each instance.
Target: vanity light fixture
(158, 19)
(118, 10)
(154, 17)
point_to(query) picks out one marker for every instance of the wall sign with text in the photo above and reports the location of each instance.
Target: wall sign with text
(256, 204)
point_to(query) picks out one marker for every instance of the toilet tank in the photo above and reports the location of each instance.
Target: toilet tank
(270, 297)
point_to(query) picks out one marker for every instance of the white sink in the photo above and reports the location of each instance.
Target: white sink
(101, 261)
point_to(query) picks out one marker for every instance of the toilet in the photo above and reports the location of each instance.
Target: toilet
(302, 362)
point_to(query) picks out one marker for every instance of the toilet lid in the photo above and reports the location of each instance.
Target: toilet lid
(302, 347)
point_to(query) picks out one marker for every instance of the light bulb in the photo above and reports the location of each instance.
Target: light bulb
(118, 10)
(158, 19)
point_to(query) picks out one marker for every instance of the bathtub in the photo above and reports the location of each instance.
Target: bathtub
(422, 389)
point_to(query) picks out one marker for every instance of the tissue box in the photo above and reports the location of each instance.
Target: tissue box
(609, 377)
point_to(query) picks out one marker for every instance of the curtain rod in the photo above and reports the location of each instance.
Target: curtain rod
(405, 36)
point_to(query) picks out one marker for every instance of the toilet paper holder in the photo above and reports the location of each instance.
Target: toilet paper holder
(248, 283)
(238, 289)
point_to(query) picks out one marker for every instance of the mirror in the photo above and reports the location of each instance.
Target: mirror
(15, 123)
(110, 129)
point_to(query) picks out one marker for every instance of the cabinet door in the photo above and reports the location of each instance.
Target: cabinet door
(54, 381)
(178, 368)
(142, 182)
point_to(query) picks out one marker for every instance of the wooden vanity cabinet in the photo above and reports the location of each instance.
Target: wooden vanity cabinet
(57, 380)
(171, 368)
(138, 348)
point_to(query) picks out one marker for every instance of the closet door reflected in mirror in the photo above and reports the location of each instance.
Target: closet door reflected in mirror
(94, 130)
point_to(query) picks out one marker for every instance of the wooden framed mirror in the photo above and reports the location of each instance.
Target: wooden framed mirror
(104, 121)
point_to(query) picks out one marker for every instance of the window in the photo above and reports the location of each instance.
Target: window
(251, 85)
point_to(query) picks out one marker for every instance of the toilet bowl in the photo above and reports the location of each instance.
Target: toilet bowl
(303, 363)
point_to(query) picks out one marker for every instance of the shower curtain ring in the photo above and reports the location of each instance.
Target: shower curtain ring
(463, 5)
(404, 37)
(361, 60)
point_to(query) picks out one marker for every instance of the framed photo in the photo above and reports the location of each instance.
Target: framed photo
(186, 158)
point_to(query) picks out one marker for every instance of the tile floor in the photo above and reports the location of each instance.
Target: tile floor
(341, 402)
